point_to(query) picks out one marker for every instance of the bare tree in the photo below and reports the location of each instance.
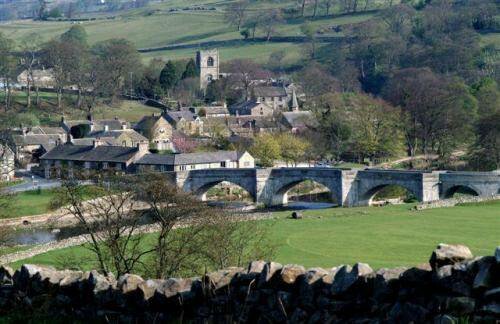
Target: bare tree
(109, 215)
(269, 20)
(29, 59)
(7, 67)
(236, 12)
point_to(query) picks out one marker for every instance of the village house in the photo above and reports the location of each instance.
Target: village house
(195, 161)
(211, 111)
(43, 78)
(251, 108)
(29, 143)
(185, 121)
(157, 129)
(274, 97)
(95, 125)
(98, 157)
(123, 137)
(7, 163)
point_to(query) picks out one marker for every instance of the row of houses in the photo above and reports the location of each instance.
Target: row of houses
(67, 157)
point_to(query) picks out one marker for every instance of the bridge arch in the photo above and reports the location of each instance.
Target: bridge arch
(280, 195)
(371, 193)
(202, 191)
(463, 189)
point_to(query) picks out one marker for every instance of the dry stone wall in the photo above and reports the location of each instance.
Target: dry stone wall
(453, 286)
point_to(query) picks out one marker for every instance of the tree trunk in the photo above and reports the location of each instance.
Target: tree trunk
(315, 8)
(59, 98)
(79, 98)
(37, 96)
(28, 93)
(6, 98)
(303, 7)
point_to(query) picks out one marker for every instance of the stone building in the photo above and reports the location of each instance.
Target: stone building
(195, 161)
(69, 157)
(208, 65)
(185, 121)
(251, 108)
(29, 143)
(158, 130)
(274, 97)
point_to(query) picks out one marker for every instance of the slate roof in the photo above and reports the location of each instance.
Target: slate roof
(269, 92)
(87, 153)
(176, 116)
(190, 158)
(43, 130)
(245, 108)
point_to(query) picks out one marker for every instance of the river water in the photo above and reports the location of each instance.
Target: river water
(37, 235)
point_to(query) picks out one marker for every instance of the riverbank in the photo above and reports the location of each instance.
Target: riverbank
(383, 236)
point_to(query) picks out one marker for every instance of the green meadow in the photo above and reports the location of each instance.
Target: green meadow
(380, 236)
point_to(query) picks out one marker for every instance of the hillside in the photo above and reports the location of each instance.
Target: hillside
(168, 23)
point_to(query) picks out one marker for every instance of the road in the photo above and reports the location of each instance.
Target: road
(32, 182)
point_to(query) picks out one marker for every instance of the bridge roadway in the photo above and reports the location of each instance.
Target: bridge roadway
(269, 186)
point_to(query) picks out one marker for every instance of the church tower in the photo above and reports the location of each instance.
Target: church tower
(208, 64)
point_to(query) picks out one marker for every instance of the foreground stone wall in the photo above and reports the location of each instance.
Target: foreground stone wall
(453, 286)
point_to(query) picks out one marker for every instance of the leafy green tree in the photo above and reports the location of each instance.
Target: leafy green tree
(292, 148)
(485, 153)
(488, 96)
(191, 71)
(266, 150)
(76, 33)
(168, 76)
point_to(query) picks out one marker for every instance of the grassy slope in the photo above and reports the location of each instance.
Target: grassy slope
(383, 237)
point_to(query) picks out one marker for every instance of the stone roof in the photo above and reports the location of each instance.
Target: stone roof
(269, 92)
(88, 141)
(46, 141)
(132, 134)
(147, 122)
(190, 158)
(89, 153)
(113, 124)
(44, 130)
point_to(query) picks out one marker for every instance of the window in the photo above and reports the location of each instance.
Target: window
(192, 167)
(182, 167)
(223, 164)
(210, 61)
(210, 77)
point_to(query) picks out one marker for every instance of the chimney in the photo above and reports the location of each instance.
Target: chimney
(91, 124)
(124, 126)
(90, 118)
(62, 119)
(106, 128)
(97, 142)
(69, 138)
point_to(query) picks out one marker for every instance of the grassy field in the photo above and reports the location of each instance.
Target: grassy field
(35, 202)
(129, 110)
(381, 236)
(30, 203)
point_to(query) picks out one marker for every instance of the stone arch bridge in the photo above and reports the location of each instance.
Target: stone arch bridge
(269, 186)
